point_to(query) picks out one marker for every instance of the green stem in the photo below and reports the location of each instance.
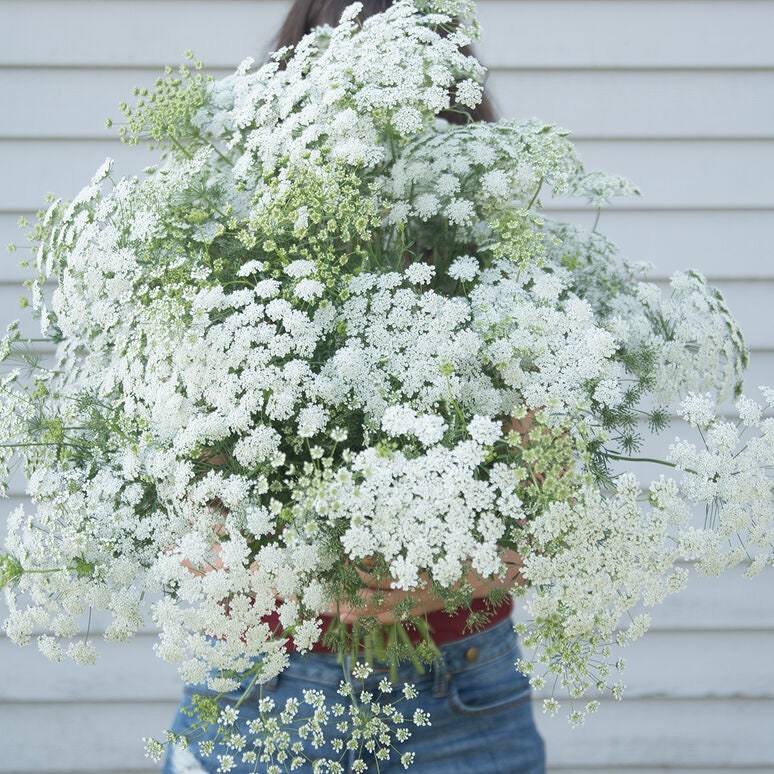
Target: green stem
(623, 458)
(180, 147)
(214, 147)
(11, 579)
(537, 192)
(88, 627)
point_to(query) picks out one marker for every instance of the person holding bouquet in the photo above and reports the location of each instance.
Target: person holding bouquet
(478, 704)
(332, 390)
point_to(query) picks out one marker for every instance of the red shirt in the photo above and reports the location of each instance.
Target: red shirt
(444, 627)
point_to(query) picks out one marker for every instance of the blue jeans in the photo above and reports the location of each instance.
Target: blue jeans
(479, 707)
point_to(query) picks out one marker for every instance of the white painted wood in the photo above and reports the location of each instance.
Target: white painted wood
(81, 99)
(129, 672)
(633, 33)
(722, 243)
(670, 174)
(35, 168)
(86, 737)
(79, 737)
(106, 33)
(524, 34)
(683, 666)
(593, 104)
(641, 103)
(668, 663)
(669, 734)
(724, 768)
(673, 174)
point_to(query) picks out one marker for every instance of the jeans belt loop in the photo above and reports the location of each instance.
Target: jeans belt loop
(441, 677)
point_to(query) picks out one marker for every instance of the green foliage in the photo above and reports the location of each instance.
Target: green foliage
(163, 116)
(11, 570)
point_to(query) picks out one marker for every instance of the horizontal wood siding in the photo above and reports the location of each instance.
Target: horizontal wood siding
(641, 104)
(676, 94)
(672, 174)
(528, 34)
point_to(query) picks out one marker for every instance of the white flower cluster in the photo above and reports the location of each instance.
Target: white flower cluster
(699, 345)
(462, 173)
(428, 514)
(367, 721)
(333, 333)
(344, 88)
(730, 475)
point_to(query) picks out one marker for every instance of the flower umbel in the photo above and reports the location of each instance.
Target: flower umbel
(328, 351)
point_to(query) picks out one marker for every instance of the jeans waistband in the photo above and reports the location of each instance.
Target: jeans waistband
(326, 670)
(468, 652)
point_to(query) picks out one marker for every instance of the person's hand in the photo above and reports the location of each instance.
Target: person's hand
(382, 602)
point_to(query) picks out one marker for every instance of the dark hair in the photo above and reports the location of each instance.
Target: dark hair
(305, 15)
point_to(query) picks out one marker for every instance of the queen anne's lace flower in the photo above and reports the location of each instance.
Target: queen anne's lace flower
(300, 351)
(464, 268)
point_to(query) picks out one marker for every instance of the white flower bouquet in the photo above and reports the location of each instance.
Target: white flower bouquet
(332, 345)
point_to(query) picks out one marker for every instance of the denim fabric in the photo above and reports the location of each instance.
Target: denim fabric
(479, 708)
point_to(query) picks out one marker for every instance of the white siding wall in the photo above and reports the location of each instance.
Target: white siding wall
(677, 94)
